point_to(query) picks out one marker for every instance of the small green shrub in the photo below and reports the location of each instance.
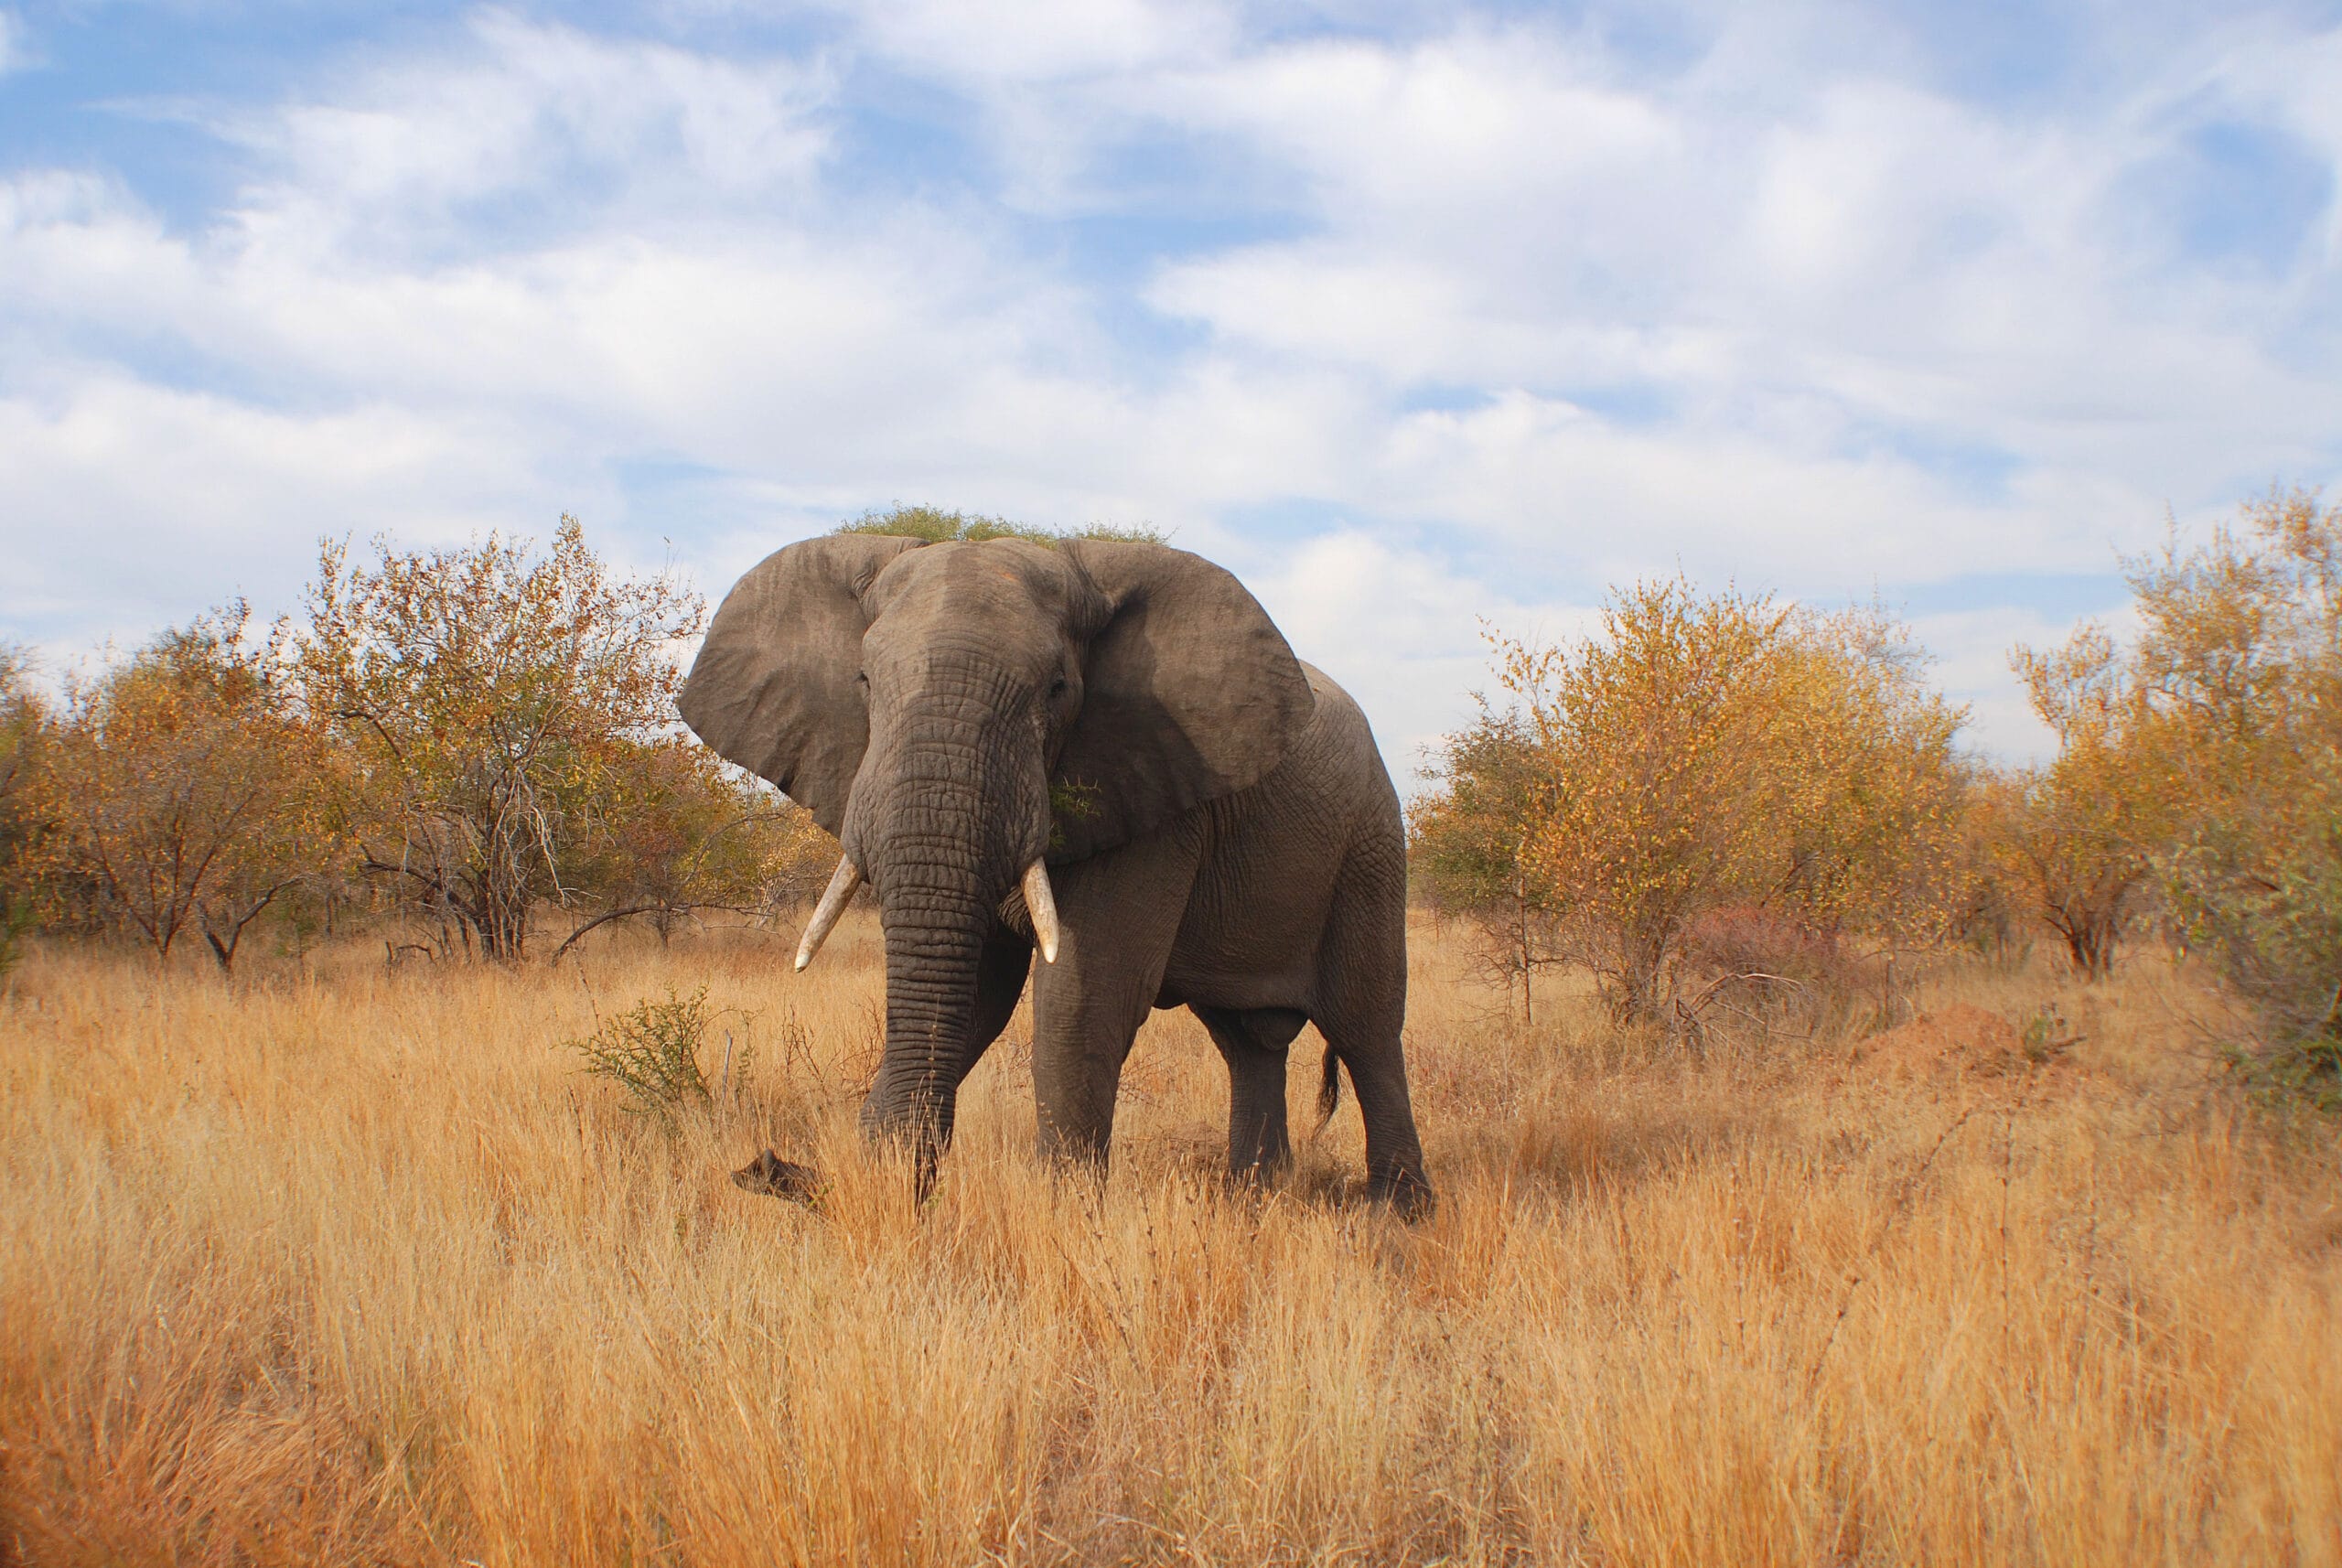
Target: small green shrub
(651, 1052)
(936, 526)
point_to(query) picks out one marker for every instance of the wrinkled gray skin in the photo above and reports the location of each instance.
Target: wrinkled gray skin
(1223, 835)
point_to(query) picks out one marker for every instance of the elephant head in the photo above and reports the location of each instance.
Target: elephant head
(962, 716)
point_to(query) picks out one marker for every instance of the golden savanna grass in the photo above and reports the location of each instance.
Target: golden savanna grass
(351, 1265)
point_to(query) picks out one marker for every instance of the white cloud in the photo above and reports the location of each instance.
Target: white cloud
(1598, 317)
(130, 506)
(14, 53)
(1029, 41)
(574, 122)
(1400, 631)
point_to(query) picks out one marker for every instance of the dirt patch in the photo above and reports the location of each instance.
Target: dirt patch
(1962, 1041)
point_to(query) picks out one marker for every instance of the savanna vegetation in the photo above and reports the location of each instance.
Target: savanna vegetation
(1724, 802)
(1849, 1150)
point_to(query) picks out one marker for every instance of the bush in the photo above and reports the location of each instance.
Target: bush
(495, 706)
(936, 526)
(16, 919)
(2203, 764)
(651, 1052)
(1466, 839)
(1715, 751)
(2256, 885)
(1761, 967)
(182, 790)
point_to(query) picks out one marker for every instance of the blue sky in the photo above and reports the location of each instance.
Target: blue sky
(1412, 315)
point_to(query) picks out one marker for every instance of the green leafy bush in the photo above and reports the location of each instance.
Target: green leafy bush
(651, 1052)
(936, 526)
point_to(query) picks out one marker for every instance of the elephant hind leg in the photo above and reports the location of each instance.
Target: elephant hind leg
(1254, 1043)
(1361, 1010)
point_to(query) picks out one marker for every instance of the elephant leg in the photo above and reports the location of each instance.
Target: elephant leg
(1361, 1011)
(1118, 915)
(1254, 1044)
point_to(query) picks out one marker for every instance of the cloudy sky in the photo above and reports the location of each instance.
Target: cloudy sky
(1409, 314)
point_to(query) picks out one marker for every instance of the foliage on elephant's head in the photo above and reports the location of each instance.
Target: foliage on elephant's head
(933, 525)
(1187, 691)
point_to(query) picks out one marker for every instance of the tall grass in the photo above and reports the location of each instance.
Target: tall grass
(354, 1265)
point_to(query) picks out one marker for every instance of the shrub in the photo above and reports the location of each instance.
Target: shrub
(16, 919)
(936, 526)
(651, 1052)
(1762, 968)
(184, 790)
(2202, 764)
(2073, 836)
(1714, 751)
(1466, 839)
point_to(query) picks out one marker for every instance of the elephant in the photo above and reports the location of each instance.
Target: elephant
(1102, 749)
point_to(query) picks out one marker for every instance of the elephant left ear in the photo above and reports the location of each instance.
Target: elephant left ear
(1189, 692)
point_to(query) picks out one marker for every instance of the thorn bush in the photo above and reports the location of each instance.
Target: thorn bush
(651, 1052)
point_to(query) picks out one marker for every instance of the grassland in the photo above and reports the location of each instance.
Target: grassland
(348, 1264)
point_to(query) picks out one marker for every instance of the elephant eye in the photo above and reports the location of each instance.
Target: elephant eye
(1056, 687)
(862, 677)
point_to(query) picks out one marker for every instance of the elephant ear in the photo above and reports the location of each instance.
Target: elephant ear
(1188, 693)
(773, 688)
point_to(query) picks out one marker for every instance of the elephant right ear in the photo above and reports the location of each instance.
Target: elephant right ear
(773, 688)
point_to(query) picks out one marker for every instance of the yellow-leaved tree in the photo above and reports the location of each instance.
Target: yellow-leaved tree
(1467, 840)
(183, 789)
(1707, 752)
(25, 733)
(684, 833)
(2073, 836)
(502, 709)
(2239, 664)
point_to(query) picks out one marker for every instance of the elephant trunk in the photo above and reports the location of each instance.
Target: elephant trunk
(935, 917)
(943, 826)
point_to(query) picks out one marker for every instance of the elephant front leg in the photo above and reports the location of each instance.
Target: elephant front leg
(1255, 1045)
(1118, 915)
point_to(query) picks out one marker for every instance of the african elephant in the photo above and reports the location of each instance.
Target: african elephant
(1103, 748)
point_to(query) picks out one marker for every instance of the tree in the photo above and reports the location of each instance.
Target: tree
(2238, 681)
(686, 833)
(2203, 763)
(2073, 835)
(24, 732)
(23, 748)
(1714, 751)
(183, 786)
(1467, 837)
(496, 703)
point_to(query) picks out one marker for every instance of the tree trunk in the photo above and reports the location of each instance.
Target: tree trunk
(1521, 930)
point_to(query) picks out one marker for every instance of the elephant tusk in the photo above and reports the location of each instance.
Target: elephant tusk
(834, 898)
(1042, 905)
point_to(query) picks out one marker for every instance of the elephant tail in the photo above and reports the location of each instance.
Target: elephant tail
(1329, 1088)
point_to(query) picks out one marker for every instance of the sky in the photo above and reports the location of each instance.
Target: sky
(1419, 318)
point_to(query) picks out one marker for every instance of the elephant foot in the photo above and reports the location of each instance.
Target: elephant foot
(775, 1177)
(1408, 1196)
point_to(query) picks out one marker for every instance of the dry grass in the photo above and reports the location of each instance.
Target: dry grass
(354, 1267)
